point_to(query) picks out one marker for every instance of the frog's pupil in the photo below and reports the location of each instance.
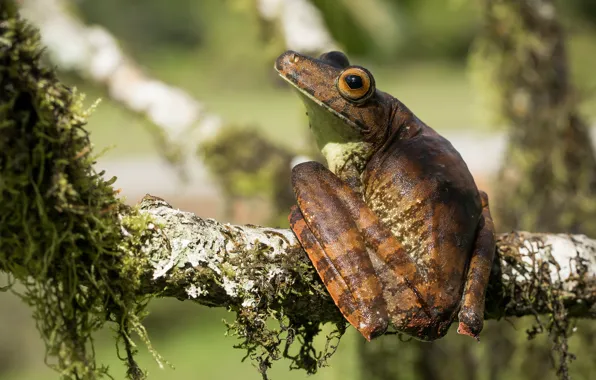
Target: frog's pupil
(354, 81)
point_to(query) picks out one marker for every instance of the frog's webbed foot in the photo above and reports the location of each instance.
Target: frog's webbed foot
(331, 235)
(471, 314)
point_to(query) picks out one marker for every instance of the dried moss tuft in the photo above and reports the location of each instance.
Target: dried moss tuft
(538, 294)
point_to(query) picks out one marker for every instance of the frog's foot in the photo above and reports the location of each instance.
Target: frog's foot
(471, 314)
(330, 227)
(470, 328)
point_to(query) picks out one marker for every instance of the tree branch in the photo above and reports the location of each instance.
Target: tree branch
(301, 24)
(245, 266)
(181, 122)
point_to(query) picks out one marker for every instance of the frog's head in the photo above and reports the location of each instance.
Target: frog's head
(334, 89)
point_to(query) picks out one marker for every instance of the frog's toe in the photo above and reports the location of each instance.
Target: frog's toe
(373, 330)
(464, 329)
(470, 323)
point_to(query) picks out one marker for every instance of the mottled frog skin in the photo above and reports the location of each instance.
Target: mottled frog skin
(394, 225)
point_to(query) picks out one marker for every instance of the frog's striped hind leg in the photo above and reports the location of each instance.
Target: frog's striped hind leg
(334, 242)
(335, 284)
(350, 236)
(471, 314)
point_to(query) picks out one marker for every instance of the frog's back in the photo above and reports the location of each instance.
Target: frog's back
(422, 190)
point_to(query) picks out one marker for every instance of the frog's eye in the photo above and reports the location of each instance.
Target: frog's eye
(356, 84)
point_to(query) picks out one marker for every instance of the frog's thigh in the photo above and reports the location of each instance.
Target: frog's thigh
(471, 314)
(324, 202)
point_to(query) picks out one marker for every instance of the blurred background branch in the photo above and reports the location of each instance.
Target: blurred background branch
(181, 121)
(300, 22)
(523, 53)
(523, 62)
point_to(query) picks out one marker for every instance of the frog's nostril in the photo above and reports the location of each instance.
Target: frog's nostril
(286, 60)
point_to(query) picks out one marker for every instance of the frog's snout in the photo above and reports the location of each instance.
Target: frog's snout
(285, 61)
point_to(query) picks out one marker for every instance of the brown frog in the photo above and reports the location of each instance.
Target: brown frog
(395, 226)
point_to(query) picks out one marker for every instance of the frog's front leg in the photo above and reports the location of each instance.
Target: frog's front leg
(471, 314)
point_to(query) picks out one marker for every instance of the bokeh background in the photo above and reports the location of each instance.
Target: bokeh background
(221, 53)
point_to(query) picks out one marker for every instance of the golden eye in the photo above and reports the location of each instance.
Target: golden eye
(356, 84)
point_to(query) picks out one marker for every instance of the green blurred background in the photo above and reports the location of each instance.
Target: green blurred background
(220, 52)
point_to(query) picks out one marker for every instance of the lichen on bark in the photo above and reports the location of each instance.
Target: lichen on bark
(260, 273)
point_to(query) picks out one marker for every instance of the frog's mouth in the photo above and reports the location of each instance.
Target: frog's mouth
(310, 102)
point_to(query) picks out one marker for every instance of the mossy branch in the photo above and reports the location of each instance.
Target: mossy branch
(521, 63)
(262, 272)
(245, 267)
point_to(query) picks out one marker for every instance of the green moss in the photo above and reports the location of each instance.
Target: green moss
(62, 234)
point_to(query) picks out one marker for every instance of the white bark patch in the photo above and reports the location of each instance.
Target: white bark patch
(565, 249)
(564, 254)
(230, 286)
(195, 291)
(163, 266)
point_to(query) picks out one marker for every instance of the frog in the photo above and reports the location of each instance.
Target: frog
(394, 224)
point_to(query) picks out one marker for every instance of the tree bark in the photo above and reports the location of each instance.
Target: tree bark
(223, 265)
